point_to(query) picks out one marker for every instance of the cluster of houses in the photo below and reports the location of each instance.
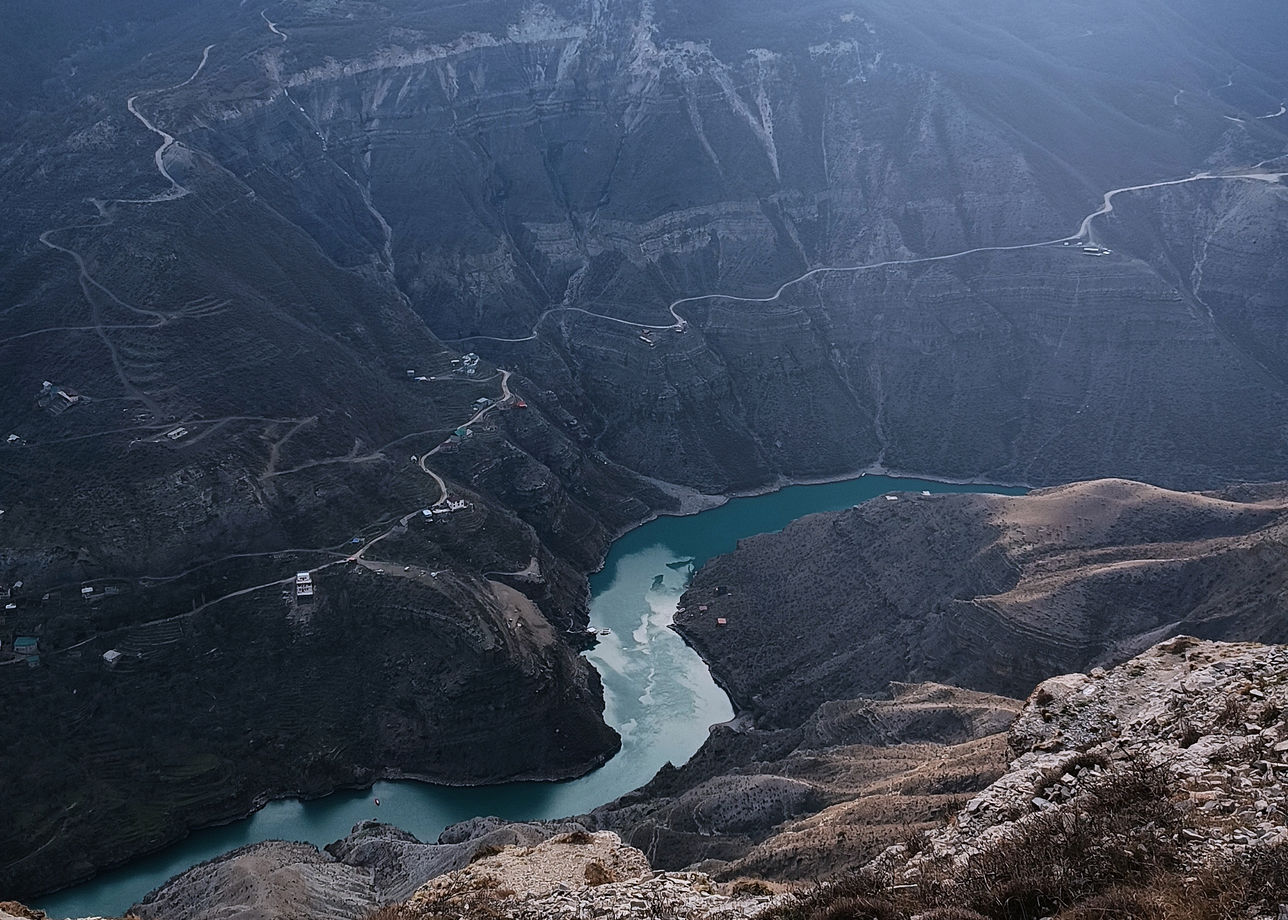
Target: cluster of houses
(450, 506)
(466, 364)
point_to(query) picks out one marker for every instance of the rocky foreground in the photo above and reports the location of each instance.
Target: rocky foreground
(1154, 789)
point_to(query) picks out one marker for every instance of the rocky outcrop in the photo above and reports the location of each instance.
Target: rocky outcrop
(570, 877)
(1209, 715)
(1174, 757)
(482, 868)
(375, 865)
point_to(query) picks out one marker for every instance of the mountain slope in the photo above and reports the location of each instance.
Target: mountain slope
(983, 591)
(251, 223)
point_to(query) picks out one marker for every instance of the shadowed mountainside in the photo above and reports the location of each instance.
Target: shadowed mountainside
(246, 225)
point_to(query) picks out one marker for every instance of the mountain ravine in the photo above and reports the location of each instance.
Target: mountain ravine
(696, 248)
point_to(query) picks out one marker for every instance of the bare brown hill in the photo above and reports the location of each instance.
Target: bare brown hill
(989, 592)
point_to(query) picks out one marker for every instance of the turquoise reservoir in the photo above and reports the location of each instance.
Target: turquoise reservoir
(658, 695)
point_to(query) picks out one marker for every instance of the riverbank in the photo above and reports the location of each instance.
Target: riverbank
(658, 691)
(694, 502)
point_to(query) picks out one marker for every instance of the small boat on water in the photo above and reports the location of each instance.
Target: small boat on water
(605, 632)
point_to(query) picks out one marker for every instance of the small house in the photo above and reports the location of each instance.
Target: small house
(25, 645)
(721, 621)
(56, 399)
(111, 657)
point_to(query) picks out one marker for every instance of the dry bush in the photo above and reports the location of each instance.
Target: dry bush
(1186, 734)
(598, 874)
(851, 890)
(852, 908)
(1257, 878)
(1163, 898)
(751, 887)
(483, 852)
(1124, 831)
(1083, 760)
(1234, 713)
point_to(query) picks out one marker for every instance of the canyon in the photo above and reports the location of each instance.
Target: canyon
(709, 250)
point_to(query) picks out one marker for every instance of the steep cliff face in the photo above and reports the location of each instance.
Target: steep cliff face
(613, 159)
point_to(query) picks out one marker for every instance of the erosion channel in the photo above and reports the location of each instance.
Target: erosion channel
(659, 695)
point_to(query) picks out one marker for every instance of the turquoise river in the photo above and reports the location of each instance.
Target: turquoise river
(658, 695)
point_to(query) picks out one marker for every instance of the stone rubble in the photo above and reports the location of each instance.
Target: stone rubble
(580, 876)
(1213, 715)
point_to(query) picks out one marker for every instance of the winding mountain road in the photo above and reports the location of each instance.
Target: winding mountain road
(272, 26)
(1084, 234)
(1085, 231)
(505, 397)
